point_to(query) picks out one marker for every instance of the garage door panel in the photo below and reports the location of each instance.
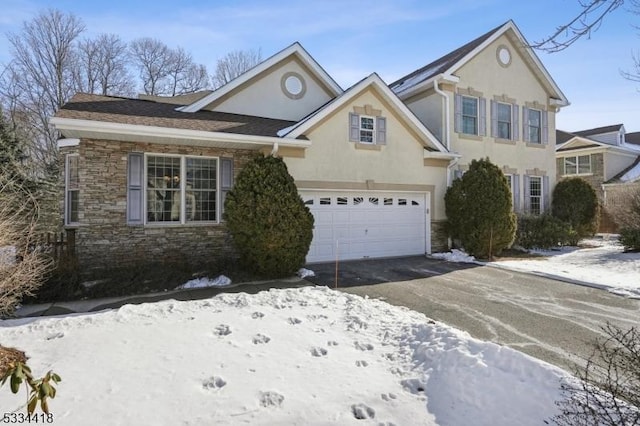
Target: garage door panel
(355, 225)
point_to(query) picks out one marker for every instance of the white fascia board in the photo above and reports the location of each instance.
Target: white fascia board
(442, 155)
(171, 133)
(561, 101)
(375, 80)
(440, 78)
(295, 48)
(600, 146)
(66, 142)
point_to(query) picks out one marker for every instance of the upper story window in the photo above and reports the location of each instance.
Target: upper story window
(469, 115)
(72, 190)
(367, 129)
(504, 121)
(578, 165)
(533, 121)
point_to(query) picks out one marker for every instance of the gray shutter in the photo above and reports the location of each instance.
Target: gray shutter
(381, 130)
(525, 120)
(494, 119)
(482, 116)
(516, 192)
(457, 116)
(527, 194)
(515, 126)
(544, 137)
(354, 127)
(135, 179)
(226, 180)
(545, 194)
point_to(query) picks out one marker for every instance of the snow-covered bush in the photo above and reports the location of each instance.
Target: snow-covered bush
(270, 225)
(479, 210)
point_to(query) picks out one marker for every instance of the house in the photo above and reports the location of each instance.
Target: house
(605, 157)
(145, 179)
(493, 98)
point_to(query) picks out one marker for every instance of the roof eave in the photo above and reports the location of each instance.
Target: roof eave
(162, 134)
(440, 78)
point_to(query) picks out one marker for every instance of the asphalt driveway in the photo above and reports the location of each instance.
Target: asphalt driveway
(548, 319)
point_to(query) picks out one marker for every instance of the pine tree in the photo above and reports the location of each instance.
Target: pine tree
(270, 225)
(479, 210)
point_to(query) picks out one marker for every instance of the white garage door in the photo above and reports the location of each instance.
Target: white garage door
(357, 225)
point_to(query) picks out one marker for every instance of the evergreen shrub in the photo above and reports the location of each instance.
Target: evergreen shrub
(575, 202)
(268, 221)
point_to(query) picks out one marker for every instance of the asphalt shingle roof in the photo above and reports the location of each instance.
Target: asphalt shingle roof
(599, 130)
(111, 109)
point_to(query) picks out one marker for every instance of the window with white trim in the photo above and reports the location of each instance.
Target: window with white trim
(578, 165)
(504, 117)
(534, 125)
(72, 189)
(535, 195)
(367, 129)
(469, 115)
(181, 189)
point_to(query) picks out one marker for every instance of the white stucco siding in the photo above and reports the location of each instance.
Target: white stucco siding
(265, 97)
(333, 159)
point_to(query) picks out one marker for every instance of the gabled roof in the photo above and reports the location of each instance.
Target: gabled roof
(295, 49)
(632, 138)
(373, 80)
(119, 110)
(599, 130)
(566, 141)
(562, 137)
(440, 65)
(630, 174)
(447, 65)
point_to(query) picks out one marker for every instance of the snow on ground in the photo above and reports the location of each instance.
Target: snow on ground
(603, 264)
(306, 356)
(219, 281)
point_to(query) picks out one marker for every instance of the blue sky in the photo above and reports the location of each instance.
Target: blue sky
(352, 38)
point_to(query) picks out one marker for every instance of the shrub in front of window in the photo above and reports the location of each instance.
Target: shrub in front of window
(541, 231)
(270, 225)
(479, 210)
(576, 203)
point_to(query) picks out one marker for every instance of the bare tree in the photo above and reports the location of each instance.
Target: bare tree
(607, 392)
(102, 66)
(234, 64)
(166, 71)
(584, 24)
(153, 60)
(39, 78)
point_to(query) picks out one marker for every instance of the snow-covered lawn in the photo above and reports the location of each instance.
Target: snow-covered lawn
(602, 264)
(307, 356)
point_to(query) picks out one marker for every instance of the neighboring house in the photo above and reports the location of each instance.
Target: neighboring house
(145, 179)
(493, 98)
(605, 157)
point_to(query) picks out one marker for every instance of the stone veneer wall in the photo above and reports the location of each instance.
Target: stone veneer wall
(439, 238)
(103, 238)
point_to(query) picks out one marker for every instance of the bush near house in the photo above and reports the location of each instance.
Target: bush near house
(630, 239)
(542, 232)
(270, 225)
(575, 202)
(479, 210)
(626, 214)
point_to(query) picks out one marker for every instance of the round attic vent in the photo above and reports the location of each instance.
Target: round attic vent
(504, 56)
(293, 85)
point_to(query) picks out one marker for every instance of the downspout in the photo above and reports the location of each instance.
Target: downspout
(447, 131)
(274, 151)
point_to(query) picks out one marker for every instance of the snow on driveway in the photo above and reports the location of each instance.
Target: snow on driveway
(307, 356)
